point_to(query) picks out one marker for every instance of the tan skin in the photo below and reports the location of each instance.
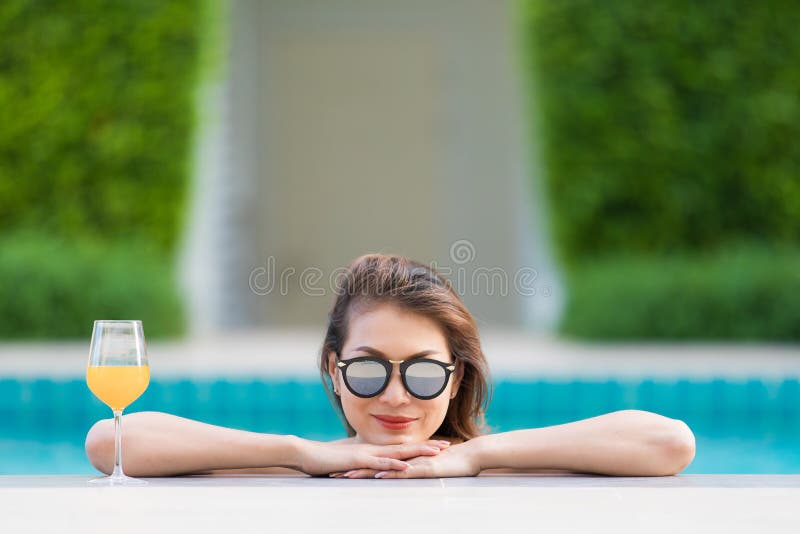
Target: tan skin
(394, 334)
(628, 442)
(161, 444)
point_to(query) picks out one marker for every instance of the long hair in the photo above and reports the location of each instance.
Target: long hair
(378, 278)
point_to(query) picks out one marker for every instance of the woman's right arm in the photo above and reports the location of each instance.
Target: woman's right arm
(160, 444)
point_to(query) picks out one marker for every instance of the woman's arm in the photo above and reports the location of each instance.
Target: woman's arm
(624, 443)
(160, 444)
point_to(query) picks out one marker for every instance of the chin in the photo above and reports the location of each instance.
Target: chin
(384, 438)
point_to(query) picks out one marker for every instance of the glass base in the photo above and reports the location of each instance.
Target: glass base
(117, 480)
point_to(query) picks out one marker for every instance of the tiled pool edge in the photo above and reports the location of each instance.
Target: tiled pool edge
(513, 504)
(488, 480)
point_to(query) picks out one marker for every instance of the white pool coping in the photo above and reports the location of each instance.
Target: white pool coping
(489, 503)
(293, 352)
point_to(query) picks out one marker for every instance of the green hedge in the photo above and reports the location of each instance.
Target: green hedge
(744, 293)
(667, 125)
(96, 122)
(96, 113)
(668, 132)
(56, 289)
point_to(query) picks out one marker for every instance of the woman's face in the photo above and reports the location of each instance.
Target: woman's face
(393, 334)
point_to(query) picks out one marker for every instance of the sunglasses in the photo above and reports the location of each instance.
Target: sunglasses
(368, 376)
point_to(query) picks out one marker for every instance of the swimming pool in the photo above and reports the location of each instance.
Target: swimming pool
(741, 427)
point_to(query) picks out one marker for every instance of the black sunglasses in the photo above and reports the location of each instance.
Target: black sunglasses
(368, 376)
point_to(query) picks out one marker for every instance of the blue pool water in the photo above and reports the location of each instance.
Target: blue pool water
(741, 427)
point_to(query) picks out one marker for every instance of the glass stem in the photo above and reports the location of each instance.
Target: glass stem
(117, 445)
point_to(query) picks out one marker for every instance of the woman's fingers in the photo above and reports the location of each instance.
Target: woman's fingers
(415, 471)
(360, 473)
(354, 473)
(412, 450)
(389, 458)
(380, 463)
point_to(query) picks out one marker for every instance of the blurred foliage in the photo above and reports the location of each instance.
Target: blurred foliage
(741, 293)
(669, 127)
(96, 118)
(96, 109)
(53, 288)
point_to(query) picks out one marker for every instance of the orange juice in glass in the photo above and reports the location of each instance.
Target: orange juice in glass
(118, 385)
(118, 373)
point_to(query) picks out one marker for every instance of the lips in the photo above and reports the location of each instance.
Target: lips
(394, 422)
(394, 418)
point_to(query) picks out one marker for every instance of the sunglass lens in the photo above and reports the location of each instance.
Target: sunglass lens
(366, 378)
(425, 379)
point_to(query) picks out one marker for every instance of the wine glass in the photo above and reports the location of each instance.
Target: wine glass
(118, 373)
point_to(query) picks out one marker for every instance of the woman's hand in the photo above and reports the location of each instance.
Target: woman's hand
(321, 458)
(457, 461)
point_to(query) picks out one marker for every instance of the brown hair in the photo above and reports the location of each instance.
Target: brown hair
(378, 278)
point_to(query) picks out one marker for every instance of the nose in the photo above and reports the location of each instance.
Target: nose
(395, 393)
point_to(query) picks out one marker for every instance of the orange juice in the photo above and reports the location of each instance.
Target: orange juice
(118, 386)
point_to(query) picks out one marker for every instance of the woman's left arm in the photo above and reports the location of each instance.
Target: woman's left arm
(623, 443)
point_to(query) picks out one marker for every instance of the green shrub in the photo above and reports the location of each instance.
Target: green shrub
(745, 293)
(96, 117)
(96, 113)
(56, 289)
(667, 125)
(667, 132)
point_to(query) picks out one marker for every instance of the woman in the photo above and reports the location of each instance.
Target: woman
(403, 366)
